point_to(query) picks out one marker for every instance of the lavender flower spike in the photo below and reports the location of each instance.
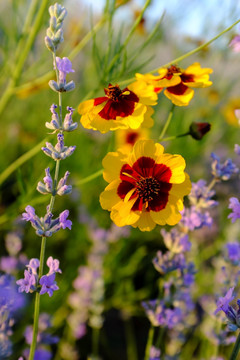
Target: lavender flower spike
(62, 188)
(235, 206)
(63, 220)
(49, 284)
(54, 124)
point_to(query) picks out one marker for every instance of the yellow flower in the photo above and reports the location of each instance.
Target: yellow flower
(146, 187)
(178, 82)
(229, 111)
(118, 109)
(125, 139)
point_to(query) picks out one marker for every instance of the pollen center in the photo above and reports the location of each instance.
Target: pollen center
(113, 92)
(148, 188)
(172, 70)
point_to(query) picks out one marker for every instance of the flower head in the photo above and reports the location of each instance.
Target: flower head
(223, 302)
(235, 206)
(223, 171)
(28, 283)
(118, 109)
(49, 284)
(64, 67)
(178, 83)
(146, 187)
(233, 249)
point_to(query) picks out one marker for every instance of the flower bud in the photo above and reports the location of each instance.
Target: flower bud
(53, 85)
(198, 130)
(53, 23)
(69, 86)
(49, 43)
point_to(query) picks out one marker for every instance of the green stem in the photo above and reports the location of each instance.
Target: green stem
(130, 340)
(20, 161)
(174, 137)
(149, 342)
(167, 122)
(95, 341)
(37, 302)
(131, 32)
(235, 349)
(182, 57)
(212, 183)
(21, 60)
(89, 178)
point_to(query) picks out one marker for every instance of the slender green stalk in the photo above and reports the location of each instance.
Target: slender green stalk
(89, 178)
(212, 183)
(235, 349)
(130, 340)
(21, 60)
(167, 122)
(131, 32)
(174, 137)
(149, 342)
(184, 56)
(43, 245)
(21, 160)
(37, 302)
(95, 340)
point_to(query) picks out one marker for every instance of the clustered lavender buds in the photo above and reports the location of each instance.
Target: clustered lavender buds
(55, 33)
(47, 283)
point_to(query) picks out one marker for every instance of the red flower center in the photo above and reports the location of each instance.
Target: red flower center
(118, 102)
(148, 183)
(131, 137)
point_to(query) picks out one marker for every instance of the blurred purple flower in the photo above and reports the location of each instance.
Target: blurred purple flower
(176, 241)
(235, 43)
(223, 302)
(9, 264)
(201, 196)
(223, 171)
(233, 249)
(165, 263)
(235, 206)
(154, 353)
(49, 284)
(193, 218)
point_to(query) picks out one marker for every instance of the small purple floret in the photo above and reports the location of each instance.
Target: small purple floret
(235, 206)
(49, 284)
(223, 302)
(63, 220)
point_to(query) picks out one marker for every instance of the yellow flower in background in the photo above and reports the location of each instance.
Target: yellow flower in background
(229, 111)
(178, 83)
(118, 109)
(125, 139)
(146, 187)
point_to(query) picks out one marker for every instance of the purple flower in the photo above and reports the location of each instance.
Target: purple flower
(64, 66)
(193, 218)
(223, 302)
(62, 188)
(201, 196)
(33, 266)
(233, 252)
(223, 171)
(49, 284)
(29, 215)
(176, 241)
(235, 43)
(165, 263)
(40, 354)
(68, 124)
(154, 353)
(237, 147)
(63, 220)
(27, 284)
(53, 265)
(235, 206)
(8, 264)
(173, 317)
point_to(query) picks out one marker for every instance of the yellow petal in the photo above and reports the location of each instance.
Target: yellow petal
(85, 106)
(180, 100)
(145, 222)
(112, 164)
(177, 164)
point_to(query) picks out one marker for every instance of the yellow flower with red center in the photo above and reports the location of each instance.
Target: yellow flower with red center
(118, 109)
(178, 83)
(146, 187)
(125, 139)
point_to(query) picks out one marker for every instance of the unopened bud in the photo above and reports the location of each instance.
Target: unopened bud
(198, 129)
(53, 85)
(49, 43)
